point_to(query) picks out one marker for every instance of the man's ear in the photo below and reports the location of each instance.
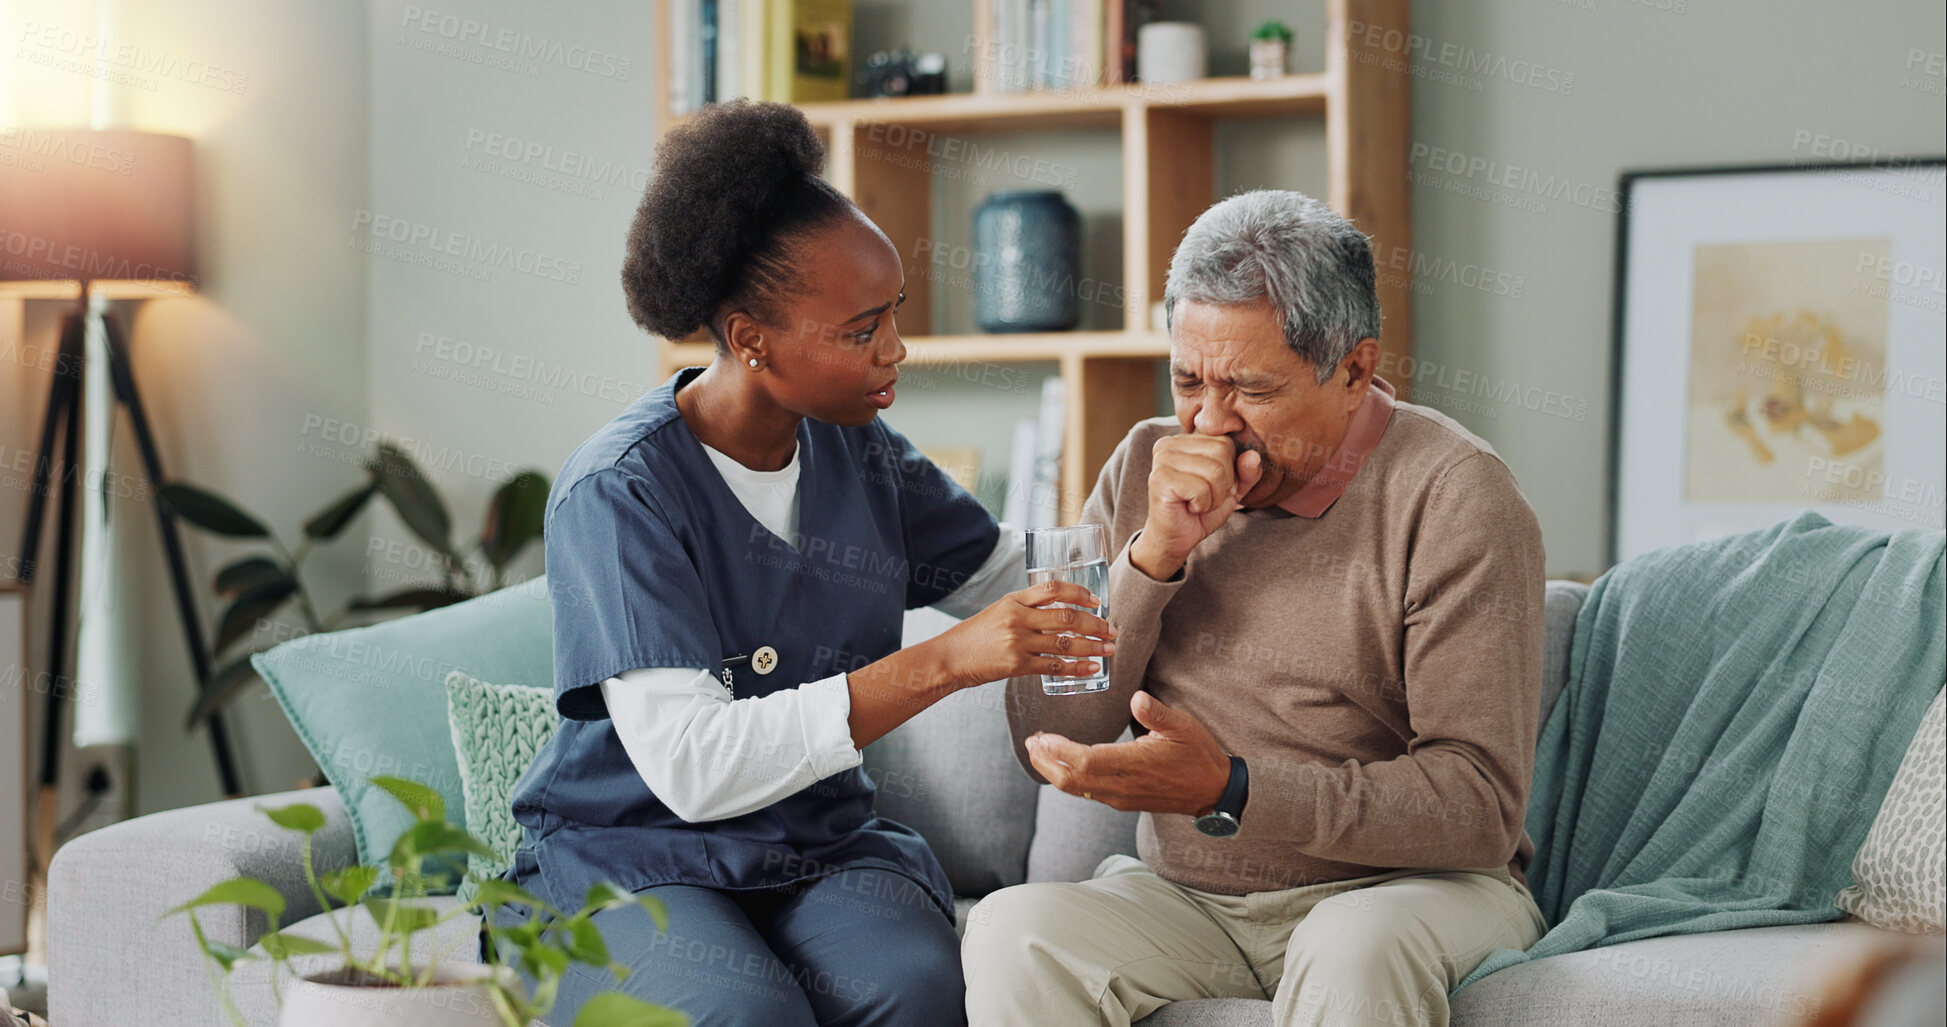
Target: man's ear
(1360, 365)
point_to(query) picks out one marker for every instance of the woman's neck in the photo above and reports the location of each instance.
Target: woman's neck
(731, 414)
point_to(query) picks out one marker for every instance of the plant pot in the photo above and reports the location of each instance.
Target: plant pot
(457, 997)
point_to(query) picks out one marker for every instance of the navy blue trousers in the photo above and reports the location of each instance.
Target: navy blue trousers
(858, 948)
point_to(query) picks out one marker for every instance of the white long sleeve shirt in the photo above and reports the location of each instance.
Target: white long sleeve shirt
(709, 756)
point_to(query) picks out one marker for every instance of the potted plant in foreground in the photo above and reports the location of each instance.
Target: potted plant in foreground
(393, 987)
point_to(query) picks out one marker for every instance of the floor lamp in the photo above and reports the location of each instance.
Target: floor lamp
(109, 218)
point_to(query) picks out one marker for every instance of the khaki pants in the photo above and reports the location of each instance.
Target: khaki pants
(1373, 950)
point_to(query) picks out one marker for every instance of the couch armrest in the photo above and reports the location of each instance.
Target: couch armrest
(113, 960)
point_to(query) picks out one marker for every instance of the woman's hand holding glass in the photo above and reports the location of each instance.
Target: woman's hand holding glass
(1036, 630)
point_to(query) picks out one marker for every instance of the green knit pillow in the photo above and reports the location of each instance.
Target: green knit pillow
(497, 732)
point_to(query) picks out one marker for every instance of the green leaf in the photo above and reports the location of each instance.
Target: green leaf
(408, 599)
(410, 493)
(436, 838)
(514, 517)
(406, 918)
(498, 892)
(248, 573)
(609, 895)
(226, 955)
(656, 910)
(211, 512)
(328, 522)
(222, 687)
(424, 802)
(582, 940)
(350, 884)
(250, 608)
(614, 1009)
(298, 816)
(283, 946)
(238, 891)
(542, 961)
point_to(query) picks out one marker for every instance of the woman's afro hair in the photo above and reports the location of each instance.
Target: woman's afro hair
(733, 187)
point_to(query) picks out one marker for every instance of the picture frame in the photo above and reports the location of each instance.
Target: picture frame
(1777, 345)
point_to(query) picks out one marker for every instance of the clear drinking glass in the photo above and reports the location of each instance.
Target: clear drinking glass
(1076, 553)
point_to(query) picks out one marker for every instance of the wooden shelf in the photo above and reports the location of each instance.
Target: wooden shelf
(1168, 141)
(1092, 107)
(1051, 347)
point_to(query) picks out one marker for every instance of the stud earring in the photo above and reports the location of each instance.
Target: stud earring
(753, 363)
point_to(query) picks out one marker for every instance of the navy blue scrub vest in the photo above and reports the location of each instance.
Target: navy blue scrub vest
(653, 562)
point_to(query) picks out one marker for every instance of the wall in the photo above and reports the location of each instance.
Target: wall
(275, 97)
(1657, 83)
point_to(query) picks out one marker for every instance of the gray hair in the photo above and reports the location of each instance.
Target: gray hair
(1312, 264)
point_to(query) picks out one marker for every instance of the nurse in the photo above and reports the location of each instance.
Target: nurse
(729, 562)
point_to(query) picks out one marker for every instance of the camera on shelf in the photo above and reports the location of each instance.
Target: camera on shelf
(902, 72)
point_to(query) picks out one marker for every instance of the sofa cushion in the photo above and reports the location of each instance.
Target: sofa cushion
(1073, 835)
(1897, 876)
(371, 701)
(497, 732)
(1563, 602)
(949, 773)
(1757, 976)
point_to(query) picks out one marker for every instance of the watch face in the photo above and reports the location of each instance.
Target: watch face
(1217, 825)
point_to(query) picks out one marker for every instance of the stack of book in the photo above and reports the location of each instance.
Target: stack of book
(1057, 44)
(795, 51)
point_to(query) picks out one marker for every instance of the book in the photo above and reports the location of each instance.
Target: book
(1020, 473)
(961, 463)
(809, 50)
(707, 34)
(683, 16)
(730, 66)
(1044, 498)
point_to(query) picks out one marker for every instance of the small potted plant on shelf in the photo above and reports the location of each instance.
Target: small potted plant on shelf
(1269, 46)
(391, 986)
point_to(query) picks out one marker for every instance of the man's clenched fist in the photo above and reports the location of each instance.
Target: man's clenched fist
(1195, 483)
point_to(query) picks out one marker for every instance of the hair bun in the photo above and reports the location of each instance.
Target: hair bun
(718, 180)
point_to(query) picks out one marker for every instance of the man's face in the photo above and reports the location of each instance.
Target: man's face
(1232, 374)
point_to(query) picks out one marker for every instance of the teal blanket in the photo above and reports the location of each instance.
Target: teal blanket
(1734, 714)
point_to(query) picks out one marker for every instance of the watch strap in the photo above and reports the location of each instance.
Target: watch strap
(1237, 791)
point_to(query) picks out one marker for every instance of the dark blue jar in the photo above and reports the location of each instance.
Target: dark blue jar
(1027, 262)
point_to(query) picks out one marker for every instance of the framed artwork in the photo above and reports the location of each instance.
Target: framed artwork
(1779, 345)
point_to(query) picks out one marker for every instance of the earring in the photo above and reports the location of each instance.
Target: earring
(753, 363)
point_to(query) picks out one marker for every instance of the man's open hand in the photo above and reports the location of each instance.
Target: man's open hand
(1176, 768)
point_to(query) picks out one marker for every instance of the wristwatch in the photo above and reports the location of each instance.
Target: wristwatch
(1222, 821)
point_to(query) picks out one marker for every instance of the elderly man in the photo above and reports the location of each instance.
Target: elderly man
(1330, 613)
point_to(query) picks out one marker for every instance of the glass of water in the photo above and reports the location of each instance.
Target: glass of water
(1076, 553)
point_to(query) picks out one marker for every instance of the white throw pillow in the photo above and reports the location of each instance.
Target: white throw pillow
(1900, 875)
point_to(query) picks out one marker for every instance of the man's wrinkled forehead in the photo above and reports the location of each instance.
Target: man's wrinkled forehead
(1230, 369)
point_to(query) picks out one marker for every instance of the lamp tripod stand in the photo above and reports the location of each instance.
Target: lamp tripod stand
(61, 424)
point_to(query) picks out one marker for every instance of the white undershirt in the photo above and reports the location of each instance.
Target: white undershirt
(709, 756)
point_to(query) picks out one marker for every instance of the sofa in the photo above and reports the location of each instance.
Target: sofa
(950, 773)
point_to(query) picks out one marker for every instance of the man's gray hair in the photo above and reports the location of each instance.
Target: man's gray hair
(1313, 265)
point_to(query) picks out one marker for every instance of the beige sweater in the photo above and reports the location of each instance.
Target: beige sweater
(1378, 667)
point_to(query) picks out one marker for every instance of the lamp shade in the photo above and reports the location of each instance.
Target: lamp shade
(96, 205)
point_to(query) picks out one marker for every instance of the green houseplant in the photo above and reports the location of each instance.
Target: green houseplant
(543, 947)
(259, 585)
(1270, 42)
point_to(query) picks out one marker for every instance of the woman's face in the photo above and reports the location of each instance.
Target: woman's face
(836, 357)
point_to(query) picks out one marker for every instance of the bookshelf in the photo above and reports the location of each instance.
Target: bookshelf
(1168, 178)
